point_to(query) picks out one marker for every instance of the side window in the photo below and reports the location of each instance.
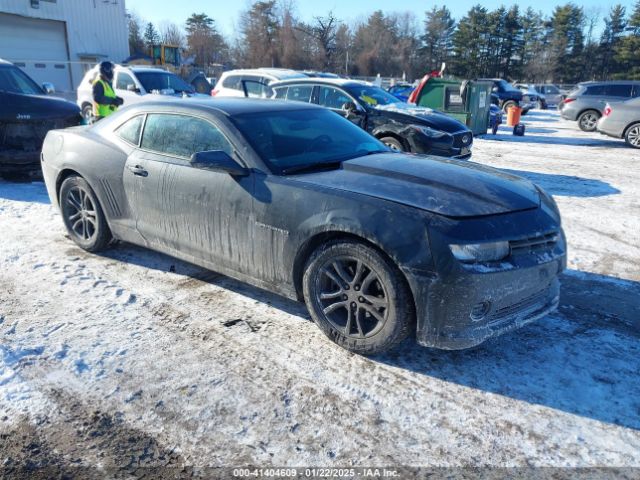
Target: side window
(255, 85)
(281, 92)
(620, 90)
(233, 82)
(130, 130)
(332, 98)
(182, 136)
(300, 93)
(123, 80)
(595, 90)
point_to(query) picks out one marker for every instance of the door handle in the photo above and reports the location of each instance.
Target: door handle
(138, 170)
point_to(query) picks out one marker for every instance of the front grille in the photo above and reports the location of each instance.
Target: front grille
(534, 244)
(461, 140)
(526, 306)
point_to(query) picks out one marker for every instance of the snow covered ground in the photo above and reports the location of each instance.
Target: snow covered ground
(132, 358)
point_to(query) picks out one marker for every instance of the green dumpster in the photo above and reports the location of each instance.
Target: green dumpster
(470, 107)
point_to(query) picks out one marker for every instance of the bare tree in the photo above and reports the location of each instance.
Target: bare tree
(172, 34)
(323, 31)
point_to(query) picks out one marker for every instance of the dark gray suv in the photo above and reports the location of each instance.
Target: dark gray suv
(586, 103)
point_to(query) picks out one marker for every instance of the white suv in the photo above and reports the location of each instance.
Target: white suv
(135, 84)
(230, 83)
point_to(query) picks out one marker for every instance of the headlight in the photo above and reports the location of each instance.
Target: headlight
(481, 252)
(430, 132)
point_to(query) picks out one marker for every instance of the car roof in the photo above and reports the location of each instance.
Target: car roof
(229, 106)
(338, 82)
(610, 82)
(281, 73)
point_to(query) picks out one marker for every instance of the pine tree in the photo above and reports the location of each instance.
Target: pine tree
(567, 43)
(615, 25)
(151, 36)
(136, 42)
(469, 44)
(203, 40)
(627, 55)
(437, 40)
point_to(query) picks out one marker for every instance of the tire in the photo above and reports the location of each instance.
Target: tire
(632, 135)
(357, 297)
(83, 216)
(525, 111)
(541, 105)
(508, 104)
(587, 121)
(393, 144)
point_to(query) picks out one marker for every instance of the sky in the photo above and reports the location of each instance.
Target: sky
(226, 13)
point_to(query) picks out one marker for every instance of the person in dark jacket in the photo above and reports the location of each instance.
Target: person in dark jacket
(105, 101)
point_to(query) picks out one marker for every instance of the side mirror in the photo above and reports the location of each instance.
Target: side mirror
(132, 88)
(350, 108)
(48, 88)
(494, 89)
(218, 161)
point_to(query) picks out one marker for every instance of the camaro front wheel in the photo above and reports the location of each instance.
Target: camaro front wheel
(357, 297)
(82, 215)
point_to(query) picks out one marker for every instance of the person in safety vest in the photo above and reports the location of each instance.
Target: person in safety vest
(105, 101)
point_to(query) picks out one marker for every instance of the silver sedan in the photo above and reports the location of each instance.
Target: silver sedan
(622, 120)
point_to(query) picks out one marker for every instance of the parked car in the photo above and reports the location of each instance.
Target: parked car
(586, 103)
(256, 81)
(508, 95)
(531, 97)
(552, 94)
(135, 84)
(297, 200)
(28, 112)
(622, 120)
(398, 125)
(401, 91)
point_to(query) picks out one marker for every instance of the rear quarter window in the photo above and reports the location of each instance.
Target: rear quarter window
(595, 90)
(130, 130)
(232, 82)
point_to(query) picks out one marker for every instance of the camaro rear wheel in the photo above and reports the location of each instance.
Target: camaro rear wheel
(632, 136)
(393, 144)
(588, 120)
(357, 297)
(82, 215)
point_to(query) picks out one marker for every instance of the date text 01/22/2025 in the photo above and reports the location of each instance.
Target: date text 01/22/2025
(277, 473)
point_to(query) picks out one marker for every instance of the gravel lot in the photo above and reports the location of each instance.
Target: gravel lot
(131, 359)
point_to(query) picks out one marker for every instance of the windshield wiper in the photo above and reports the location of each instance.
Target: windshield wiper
(313, 167)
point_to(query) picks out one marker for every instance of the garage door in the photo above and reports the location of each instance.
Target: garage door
(37, 46)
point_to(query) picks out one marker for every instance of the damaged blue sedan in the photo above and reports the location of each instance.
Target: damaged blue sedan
(297, 200)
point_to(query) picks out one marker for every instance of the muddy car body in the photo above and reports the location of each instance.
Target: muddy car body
(295, 199)
(26, 115)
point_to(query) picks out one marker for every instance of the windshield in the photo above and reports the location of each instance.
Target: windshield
(163, 80)
(14, 80)
(371, 96)
(293, 139)
(552, 89)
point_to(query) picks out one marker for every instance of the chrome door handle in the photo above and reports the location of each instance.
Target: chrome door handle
(138, 170)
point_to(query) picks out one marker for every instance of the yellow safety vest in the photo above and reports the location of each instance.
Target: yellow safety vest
(100, 110)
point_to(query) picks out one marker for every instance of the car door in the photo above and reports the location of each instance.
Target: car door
(335, 99)
(182, 209)
(121, 83)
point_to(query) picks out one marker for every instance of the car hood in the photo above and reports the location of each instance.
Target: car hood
(446, 187)
(17, 106)
(413, 114)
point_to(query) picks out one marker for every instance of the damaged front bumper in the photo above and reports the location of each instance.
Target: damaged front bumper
(465, 305)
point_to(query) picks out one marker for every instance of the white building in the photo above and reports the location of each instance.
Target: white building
(56, 41)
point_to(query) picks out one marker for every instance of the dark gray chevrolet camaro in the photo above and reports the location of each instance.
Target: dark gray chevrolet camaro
(295, 199)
